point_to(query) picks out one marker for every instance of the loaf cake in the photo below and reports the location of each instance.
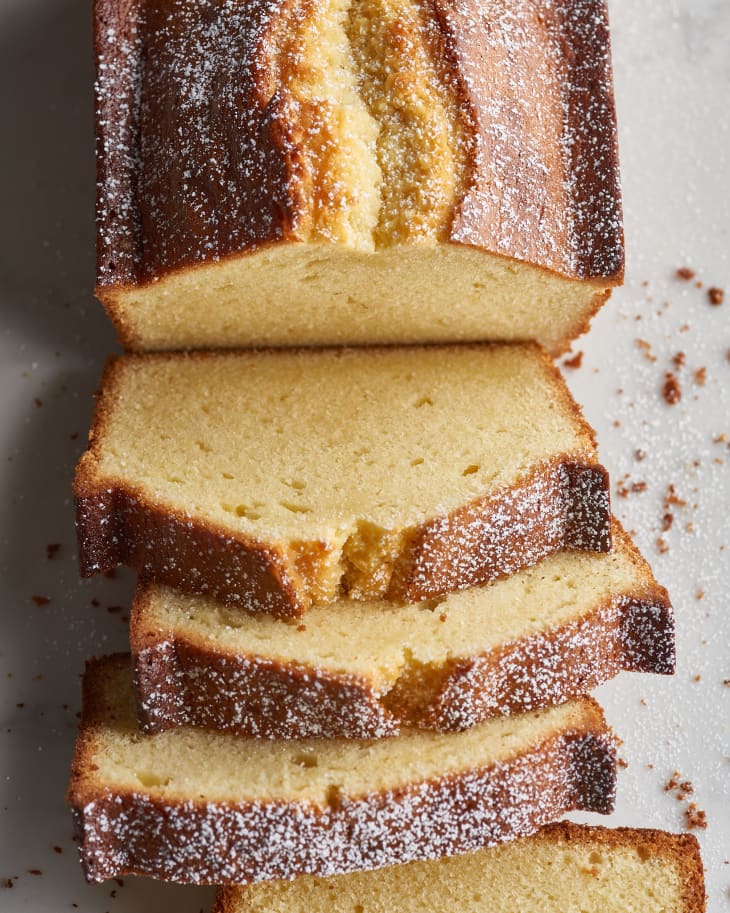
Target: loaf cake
(371, 171)
(208, 807)
(563, 868)
(276, 480)
(364, 669)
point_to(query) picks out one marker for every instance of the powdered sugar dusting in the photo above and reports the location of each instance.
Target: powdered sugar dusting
(199, 841)
(545, 188)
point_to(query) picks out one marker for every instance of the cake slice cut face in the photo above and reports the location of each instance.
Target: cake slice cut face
(204, 807)
(373, 171)
(563, 868)
(276, 480)
(365, 669)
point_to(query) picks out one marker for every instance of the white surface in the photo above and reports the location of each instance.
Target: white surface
(673, 83)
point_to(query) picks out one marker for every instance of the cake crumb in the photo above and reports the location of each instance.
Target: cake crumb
(52, 549)
(700, 594)
(41, 600)
(574, 362)
(671, 391)
(695, 816)
(639, 454)
(685, 273)
(667, 521)
(662, 545)
(678, 359)
(701, 377)
(716, 295)
(646, 349)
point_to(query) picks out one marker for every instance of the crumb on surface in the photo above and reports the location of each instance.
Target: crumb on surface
(685, 273)
(41, 600)
(671, 391)
(575, 361)
(695, 817)
(716, 295)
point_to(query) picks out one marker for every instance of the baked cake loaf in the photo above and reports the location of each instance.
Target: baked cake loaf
(208, 807)
(280, 479)
(563, 868)
(372, 171)
(363, 670)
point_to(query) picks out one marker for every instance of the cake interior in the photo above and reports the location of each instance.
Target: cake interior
(321, 445)
(545, 873)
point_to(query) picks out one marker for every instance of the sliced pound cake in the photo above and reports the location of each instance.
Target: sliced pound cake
(280, 479)
(372, 171)
(364, 669)
(205, 807)
(563, 868)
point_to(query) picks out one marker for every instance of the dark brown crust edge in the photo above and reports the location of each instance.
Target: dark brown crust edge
(193, 841)
(562, 504)
(682, 850)
(188, 681)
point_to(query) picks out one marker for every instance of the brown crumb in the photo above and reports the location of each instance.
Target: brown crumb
(95, 602)
(720, 438)
(622, 763)
(667, 521)
(35, 872)
(697, 678)
(700, 594)
(7, 882)
(52, 549)
(726, 682)
(716, 295)
(74, 436)
(114, 609)
(301, 627)
(41, 600)
(696, 818)
(679, 359)
(37, 402)
(574, 362)
(672, 498)
(639, 454)
(672, 782)
(685, 273)
(646, 349)
(700, 377)
(662, 545)
(57, 849)
(671, 391)
(624, 488)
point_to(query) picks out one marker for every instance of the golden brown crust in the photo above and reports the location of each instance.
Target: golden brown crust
(681, 850)
(238, 173)
(182, 679)
(194, 841)
(560, 504)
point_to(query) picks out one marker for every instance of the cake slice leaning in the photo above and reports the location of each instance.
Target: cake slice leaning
(278, 480)
(563, 868)
(365, 669)
(213, 808)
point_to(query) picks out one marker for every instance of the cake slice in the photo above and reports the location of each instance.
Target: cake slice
(372, 171)
(364, 669)
(563, 868)
(276, 480)
(213, 808)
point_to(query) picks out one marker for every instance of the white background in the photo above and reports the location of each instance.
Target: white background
(672, 63)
